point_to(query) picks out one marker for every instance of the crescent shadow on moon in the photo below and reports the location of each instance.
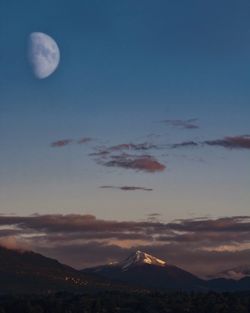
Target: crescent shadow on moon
(44, 54)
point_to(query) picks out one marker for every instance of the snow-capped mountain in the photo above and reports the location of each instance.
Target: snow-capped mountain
(140, 258)
(144, 270)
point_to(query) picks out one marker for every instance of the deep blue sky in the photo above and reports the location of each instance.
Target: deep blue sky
(125, 66)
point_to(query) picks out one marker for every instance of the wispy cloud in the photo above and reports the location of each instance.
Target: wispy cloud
(153, 217)
(61, 143)
(133, 146)
(106, 150)
(182, 124)
(185, 144)
(100, 152)
(126, 188)
(84, 140)
(233, 142)
(236, 142)
(65, 142)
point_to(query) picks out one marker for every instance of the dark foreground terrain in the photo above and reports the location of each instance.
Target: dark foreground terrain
(113, 302)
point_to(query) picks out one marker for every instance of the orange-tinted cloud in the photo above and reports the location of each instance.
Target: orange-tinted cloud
(145, 163)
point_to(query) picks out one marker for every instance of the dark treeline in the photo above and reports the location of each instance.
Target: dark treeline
(116, 302)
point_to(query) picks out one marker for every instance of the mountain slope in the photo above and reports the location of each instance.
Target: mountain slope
(147, 271)
(144, 270)
(26, 271)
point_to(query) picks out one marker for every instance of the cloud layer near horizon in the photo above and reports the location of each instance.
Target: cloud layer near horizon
(84, 240)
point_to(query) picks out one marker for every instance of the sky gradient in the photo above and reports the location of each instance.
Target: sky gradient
(147, 113)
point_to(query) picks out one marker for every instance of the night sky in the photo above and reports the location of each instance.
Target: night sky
(146, 118)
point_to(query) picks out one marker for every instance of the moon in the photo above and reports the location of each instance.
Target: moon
(44, 54)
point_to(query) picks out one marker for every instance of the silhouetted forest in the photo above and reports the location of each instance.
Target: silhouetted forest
(116, 302)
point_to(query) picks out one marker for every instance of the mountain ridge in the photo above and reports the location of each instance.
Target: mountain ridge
(142, 269)
(30, 272)
(148, 271)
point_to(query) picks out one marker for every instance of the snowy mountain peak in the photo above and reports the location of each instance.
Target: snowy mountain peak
(140, 258)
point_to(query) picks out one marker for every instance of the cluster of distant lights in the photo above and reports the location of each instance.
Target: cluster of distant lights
(76, 281)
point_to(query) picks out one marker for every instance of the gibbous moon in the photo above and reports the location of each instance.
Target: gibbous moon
(44, 54)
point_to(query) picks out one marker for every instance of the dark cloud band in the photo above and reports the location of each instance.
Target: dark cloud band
(235, 142)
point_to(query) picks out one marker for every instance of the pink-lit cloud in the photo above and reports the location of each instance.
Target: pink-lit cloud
(145, 163)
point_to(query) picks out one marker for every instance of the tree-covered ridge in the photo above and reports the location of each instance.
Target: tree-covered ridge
(117, 302)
